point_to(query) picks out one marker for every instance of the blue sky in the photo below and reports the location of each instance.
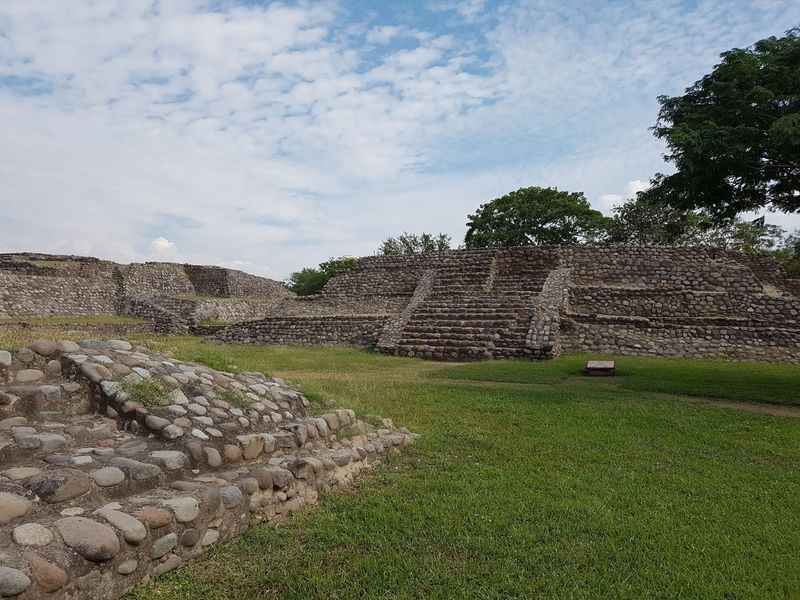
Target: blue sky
(268, 136)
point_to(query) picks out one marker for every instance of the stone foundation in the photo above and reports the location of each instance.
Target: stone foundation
(539, 302)
(102, 487)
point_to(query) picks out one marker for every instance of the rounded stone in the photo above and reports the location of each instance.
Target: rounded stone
(132, 529)
(12, 507)
(29, 376)
(95, 373)
(154, 517)
(250, 485)
(20, 473)
(185, 508)
(53, 368)
(49, 576)
(213, 457)
(92, 540)
(120, 345)
(171, 460)
(163, 545)
(232, 453)
(74, 511)
(5, 359)
(32, 534)
(108, 476)
(172, 432)
(59, 486)
(44, 347)
(231, 496)
(156, 423)
(127, 567)
(68, 346)
(13, 582)
(200, 435)
(172, 561)
(190, 537)
(210, 537)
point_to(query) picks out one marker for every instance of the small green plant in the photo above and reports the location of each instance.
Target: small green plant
(236, 398)
(148, 392)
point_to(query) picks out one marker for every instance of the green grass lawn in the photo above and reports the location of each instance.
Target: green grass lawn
(531, 481)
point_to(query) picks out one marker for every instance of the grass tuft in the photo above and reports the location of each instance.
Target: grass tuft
(148, 392)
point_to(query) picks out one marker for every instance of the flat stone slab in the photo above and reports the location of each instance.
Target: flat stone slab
(600, 367)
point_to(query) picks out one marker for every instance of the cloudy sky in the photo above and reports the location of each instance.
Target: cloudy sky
(268, 136)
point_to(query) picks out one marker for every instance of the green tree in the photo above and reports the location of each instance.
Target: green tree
(311, 280)
(307, 281)
(412, 243)
(734, 136)
(648, 222)
(535, 216)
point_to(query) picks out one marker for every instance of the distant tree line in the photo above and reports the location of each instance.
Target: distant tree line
(734, 140)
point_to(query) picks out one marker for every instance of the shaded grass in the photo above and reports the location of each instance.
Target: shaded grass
(560, 489)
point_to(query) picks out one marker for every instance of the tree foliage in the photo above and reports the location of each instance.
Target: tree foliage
(412, 243)
(535, 216)
(734, 136)
(648, 222)
(311, 280)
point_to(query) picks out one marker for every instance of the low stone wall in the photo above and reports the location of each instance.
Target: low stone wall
(684, 303)
(101, 488)
(42, 285)
(155, 279)
(329, 305)
(645, 337)
(676, 268)
(360, 331)
(163, 320)
(544, 335)
(45, 295)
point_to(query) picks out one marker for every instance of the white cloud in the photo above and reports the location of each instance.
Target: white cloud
(274, 136)
(161, 247)
(636, 186)
(467, 9)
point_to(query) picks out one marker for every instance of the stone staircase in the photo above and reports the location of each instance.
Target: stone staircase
(479, 307)
(100, 487)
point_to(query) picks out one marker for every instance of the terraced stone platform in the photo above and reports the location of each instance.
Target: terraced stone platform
(118, 464)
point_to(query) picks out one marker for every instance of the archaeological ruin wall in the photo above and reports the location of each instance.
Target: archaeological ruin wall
(540, 302)
(103, 486)
(173, 296)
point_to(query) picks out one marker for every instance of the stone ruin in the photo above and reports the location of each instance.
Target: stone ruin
(174, 297)
(102, 487)
(532, 302)
(527, 302)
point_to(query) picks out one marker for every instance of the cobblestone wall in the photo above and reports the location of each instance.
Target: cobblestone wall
(33, 284)
(334, 331)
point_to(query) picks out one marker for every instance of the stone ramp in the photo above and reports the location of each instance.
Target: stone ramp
(100, 490)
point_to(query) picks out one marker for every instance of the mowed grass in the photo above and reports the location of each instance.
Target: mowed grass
(530, 481)
(740, 381)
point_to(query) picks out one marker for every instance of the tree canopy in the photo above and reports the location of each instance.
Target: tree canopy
(311, 280)
(646, 222)
(734, 136)
(534, 216)
(412, 243)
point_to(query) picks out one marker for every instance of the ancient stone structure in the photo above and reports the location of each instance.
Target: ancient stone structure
(118, 464)
(540, 302)
(174, 296)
